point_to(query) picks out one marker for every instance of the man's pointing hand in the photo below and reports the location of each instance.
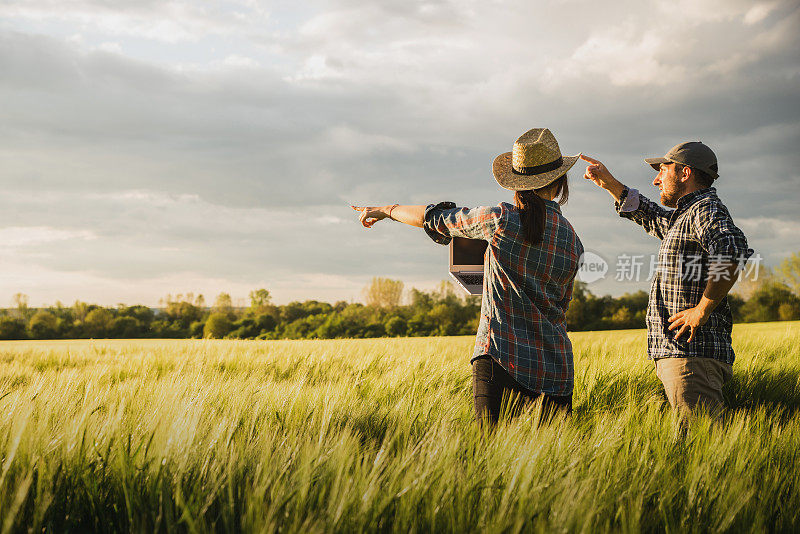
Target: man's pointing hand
(600, 175)
(596, 171)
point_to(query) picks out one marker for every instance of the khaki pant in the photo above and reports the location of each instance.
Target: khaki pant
(691, 382)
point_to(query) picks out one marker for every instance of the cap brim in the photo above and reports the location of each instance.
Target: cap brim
(508, 179)
(656, 162)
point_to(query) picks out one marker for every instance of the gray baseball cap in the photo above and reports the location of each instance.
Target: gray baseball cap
(692, 153)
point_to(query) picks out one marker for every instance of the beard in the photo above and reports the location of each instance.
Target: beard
(670, 195)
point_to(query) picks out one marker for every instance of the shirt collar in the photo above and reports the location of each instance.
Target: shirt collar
(689, 199)
(553, 205)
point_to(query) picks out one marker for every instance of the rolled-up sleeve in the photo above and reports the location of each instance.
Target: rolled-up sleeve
(641, 210)
(719, 236)
(629, 201)
(444, 221)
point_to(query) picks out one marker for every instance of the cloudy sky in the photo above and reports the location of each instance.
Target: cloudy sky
(151, 147)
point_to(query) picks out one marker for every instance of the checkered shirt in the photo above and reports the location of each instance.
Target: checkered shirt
(526, 290)
(696, 235)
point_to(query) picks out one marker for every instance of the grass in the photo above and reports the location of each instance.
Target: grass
(378, 435)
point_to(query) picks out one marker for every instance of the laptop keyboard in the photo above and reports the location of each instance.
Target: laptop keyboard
(471, 279)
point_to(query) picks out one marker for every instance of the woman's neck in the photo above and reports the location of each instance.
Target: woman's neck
(546, 193)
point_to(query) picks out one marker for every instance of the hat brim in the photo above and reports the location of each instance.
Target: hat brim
(656, 162)
(508, 179)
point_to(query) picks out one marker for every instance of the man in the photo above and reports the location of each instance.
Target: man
(688, 318)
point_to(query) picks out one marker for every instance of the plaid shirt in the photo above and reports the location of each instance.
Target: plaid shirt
(694, 237)
(526, 290)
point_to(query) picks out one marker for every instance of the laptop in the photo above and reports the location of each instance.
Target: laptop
(466, 263)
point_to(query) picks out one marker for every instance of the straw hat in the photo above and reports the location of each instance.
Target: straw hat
(535, 162)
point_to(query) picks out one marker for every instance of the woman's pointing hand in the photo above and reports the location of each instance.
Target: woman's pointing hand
(370, 214)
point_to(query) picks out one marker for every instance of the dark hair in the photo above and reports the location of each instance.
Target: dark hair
(533, 209)
(702, 178)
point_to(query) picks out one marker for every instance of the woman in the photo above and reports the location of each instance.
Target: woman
(531, 261)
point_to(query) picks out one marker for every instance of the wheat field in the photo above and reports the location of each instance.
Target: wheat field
(378, 436)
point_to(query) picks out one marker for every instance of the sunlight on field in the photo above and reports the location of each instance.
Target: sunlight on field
(377, 435)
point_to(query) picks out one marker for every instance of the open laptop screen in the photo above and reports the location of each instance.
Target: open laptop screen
(468, 251)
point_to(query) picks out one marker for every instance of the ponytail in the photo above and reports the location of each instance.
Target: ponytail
(532, 214)
(533, 209)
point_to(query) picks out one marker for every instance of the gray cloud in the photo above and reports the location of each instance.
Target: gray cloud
(217, 164)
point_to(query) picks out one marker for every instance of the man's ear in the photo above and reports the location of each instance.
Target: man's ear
(686, 174)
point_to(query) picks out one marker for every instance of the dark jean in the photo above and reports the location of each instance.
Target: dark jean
(492, 385)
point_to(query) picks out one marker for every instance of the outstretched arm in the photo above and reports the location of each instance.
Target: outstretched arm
(411, 215)
(652, 217)
(442, 221)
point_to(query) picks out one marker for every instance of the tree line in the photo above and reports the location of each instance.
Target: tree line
(438, 312)
(444, 311)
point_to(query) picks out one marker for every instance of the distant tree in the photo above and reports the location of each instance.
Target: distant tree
(635, 306)
(396, 326)
(79, 310)
(250, 327)
(581, 314)
(265, 322)
(182, 311)
(126, 327)
(21, 303)
(766, 302)
(332, 327)
(373, 330)
(143, 314)
(167, 329)
(218, 325)
(292, 312)
(735, 302)
(12, 328)
(635, 301)
(471, 326)
(442, 320)
(789, 311)
(65, 320)
(223, 304)
(622, 318)
(751, 280)
(445, 291)
(350, 322)
(473, 300)
(315, 307)
(420, 300)
(196, 329)
(259, 299)
(383, 293)
(304, 328)
(43, 325)
(98, 323)
(789, 272)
